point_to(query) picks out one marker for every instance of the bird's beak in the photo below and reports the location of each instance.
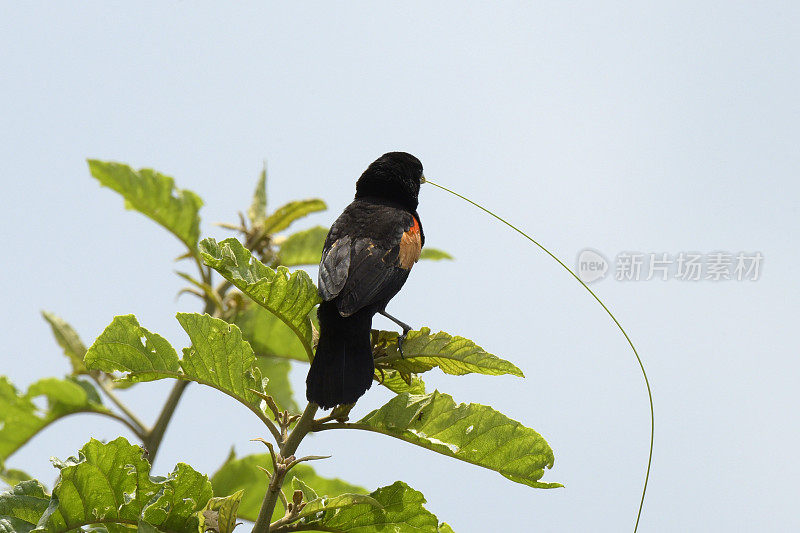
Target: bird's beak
(422, 179)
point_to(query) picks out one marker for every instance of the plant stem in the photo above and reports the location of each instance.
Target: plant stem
(153, 440)
(287, 448)
(136, 431)
(142, 428)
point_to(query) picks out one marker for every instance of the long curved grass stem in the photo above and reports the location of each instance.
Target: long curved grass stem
(638, 359)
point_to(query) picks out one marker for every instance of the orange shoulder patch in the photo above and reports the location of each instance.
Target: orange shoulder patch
(410, 246)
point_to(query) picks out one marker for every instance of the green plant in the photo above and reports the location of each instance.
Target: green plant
(256, 319)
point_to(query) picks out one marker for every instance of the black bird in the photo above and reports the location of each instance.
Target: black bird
(366, 259)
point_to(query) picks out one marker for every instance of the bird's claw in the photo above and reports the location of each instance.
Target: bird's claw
(400, 340)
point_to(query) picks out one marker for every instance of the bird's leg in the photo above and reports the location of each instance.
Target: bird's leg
(401, 338)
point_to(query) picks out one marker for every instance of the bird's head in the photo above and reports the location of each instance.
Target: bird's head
(395, 176)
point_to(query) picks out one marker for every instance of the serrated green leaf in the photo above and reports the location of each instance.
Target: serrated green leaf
(59, 393)
(395, 382)
(452, 354)
(286, 214)
(154, 195)
(290, 297)
(258, 208)
(279, 387)
(218, 357)
(326, 504)
(24, 505)
(68, 339)
(220, 513)
(444, 527)
(243, 474)
(400, 510)
(125, 346)
(111, 483)
(434, 254)
(21, 419)
(268, 334)
(473, 433)
(303, 247)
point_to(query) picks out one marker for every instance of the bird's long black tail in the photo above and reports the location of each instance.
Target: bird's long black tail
(343, 366)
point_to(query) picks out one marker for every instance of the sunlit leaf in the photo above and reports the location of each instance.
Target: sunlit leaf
(111, 483)
(243, 474)
(473, 433)
(269, 335)
(290, 297)
(286, 214)
(220, 514)
(218, 357)
(277, 372)
(12, 476)
(154, 195)
(23, 506)
(434, 254)
(21, 419)
(68, 339)
(303, 247)
(257, 211)
(125, 346)
(397, 383)
(326, 504)
(400, 509)
(452, 354)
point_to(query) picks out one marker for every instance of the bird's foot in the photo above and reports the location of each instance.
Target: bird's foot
(400, 340)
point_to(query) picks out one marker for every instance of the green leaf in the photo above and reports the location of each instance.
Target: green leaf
(218, 357)
(23, 506)
(21, 419)
(399, 509)
(444, 527)
(244, 474)
(12, 476)
(69, 341)
(10, 524)
(473, 433)
(303, 247)
(399, 383)
(434, 254)
(453, 355)
(286, 214)
(289, 297)
(220, 513)
(279, 387)
(258, 208)
(125, 346)
(154, 195)
(267, 334)
(111, 483)
(324, 504)
(308, 493)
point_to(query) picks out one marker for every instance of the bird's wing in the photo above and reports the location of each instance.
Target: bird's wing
(362, 272)
(334, 267)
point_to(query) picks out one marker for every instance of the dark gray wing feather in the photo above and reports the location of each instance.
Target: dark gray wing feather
(334, 267)
(373, 277)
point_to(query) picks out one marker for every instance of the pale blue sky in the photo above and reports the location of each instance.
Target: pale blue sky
(655, 128)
